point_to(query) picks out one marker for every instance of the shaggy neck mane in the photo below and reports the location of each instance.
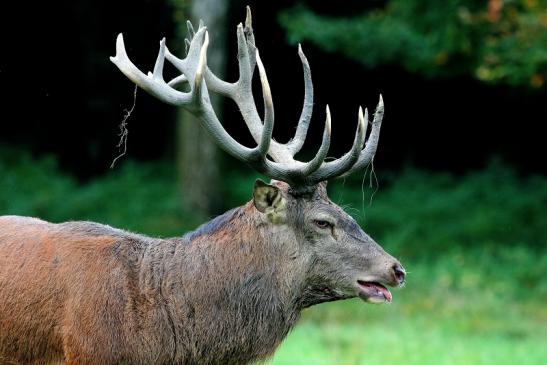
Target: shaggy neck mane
(212, 300)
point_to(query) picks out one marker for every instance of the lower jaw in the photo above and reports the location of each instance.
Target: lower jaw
(322, 296)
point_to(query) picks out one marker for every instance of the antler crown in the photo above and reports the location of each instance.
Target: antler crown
(269, 157)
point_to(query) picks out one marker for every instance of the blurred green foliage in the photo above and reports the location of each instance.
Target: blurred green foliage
(139, 197)
(475, 247)
(492, 207)
(496, 41)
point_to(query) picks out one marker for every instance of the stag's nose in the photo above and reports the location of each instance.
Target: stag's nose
(399, 274)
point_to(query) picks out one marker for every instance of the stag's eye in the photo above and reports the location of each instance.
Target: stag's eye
(322, 224)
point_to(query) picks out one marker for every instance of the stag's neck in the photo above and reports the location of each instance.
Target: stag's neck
(228, 292)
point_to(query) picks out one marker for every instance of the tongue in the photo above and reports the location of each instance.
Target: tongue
(384, 291)
(375, 290)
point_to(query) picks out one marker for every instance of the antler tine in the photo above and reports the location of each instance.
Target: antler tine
(191, 31)
(365, 118)
(213, 82)
(267, 130)
(158, 66)
(250, 37)
(187, 66)
(296, 144)
(200, 70)
(245, 75)
(329, 170)
(249, 21)
(314, 164)
(153, 85)
(369, 151)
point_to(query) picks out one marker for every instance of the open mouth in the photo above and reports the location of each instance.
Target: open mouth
(373, 292)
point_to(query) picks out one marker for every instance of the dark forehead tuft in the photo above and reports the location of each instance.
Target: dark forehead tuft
(318, 191)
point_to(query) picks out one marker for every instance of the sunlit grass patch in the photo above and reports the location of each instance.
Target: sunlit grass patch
(409, 341)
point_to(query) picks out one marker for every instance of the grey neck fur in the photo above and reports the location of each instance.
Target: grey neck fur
(220, 311)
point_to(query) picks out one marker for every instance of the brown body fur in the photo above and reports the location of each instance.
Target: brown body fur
(84, 293)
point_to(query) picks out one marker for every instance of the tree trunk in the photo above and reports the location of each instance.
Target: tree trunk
(197, 155)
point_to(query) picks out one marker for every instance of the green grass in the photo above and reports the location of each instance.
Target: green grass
(475, 247)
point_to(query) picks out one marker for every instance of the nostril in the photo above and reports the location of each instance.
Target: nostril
(399, 273)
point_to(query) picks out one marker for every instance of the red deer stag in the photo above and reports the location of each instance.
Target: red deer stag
(227, 293)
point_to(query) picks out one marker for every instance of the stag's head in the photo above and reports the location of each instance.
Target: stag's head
(325, 246)
(339, 260)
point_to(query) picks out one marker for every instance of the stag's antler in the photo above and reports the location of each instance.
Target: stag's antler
(282, 165)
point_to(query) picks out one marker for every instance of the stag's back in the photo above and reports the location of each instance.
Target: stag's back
(55, 278)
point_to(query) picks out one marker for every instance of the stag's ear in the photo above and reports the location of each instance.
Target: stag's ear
(269, 200)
